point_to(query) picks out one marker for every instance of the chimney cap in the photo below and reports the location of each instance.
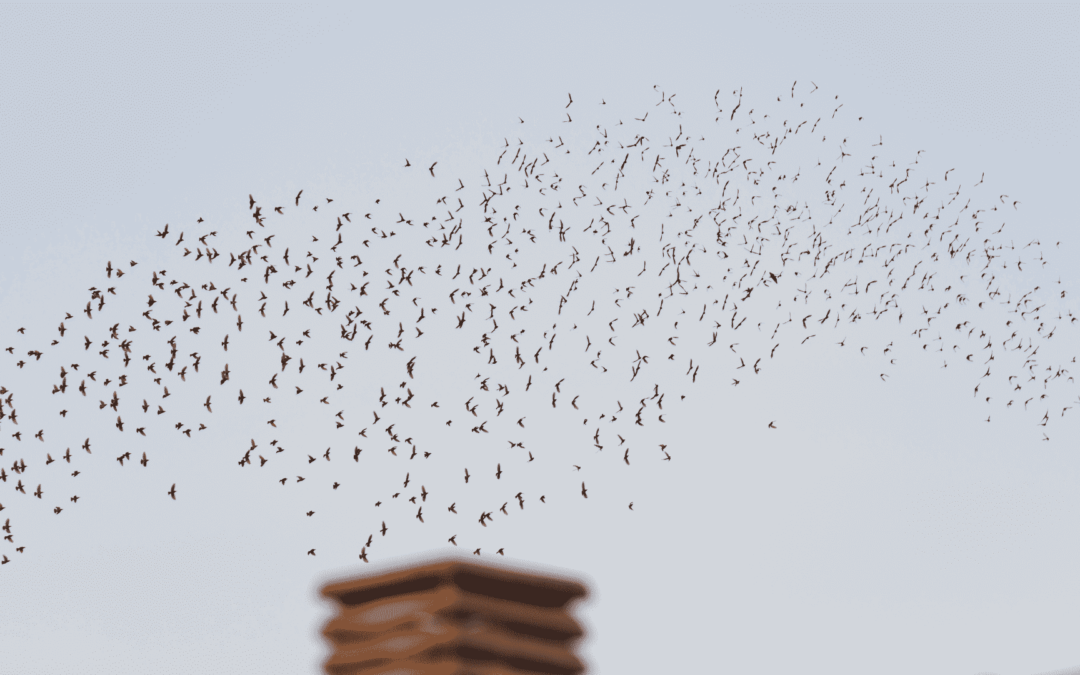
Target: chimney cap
(542, 589)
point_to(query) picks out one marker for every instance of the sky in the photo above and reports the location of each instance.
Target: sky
(799, 502)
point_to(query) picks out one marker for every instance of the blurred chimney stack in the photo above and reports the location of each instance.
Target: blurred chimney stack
(454, 617)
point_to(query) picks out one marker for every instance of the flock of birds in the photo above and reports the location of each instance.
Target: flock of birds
(578, 215)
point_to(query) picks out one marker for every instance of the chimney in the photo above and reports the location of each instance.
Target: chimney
(454, 617)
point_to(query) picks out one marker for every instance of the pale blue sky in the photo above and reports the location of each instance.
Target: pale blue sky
(883, 526)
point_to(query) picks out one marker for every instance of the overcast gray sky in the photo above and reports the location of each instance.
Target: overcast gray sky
(882, 526)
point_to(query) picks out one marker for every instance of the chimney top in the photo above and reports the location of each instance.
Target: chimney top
(504, 583)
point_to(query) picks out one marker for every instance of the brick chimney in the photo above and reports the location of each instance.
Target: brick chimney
(454, 617)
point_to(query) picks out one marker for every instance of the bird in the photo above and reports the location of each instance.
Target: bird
(451, 540)
(172, 491)
(583, 492)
